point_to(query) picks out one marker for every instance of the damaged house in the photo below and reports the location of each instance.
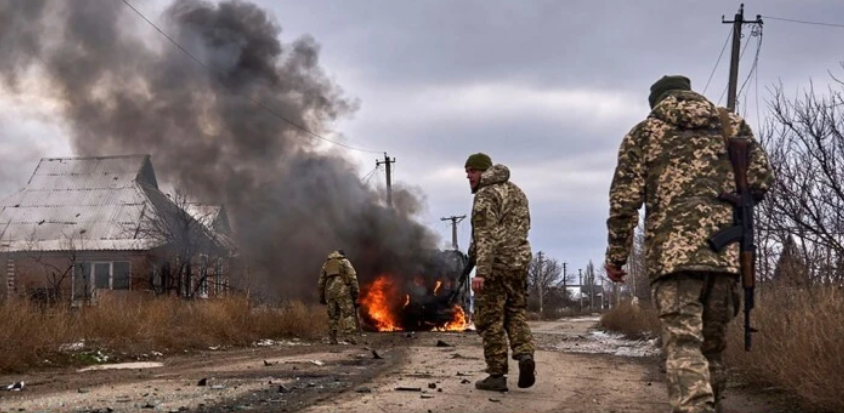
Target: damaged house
(86, 228)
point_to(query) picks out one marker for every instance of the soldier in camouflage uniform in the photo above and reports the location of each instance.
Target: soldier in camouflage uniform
(501, 251)
(338, 288)
(676, 162)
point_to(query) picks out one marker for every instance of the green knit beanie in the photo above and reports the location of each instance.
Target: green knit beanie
(479, 161)
(660, 89)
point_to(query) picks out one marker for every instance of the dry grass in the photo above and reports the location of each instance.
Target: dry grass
(800, 345)
(634, 321)
(799, 348)
(28, 335)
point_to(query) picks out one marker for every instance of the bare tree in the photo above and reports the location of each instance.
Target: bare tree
(637, 283)
(55, 269)
(189, 240)
(805, 208)
(543, 273)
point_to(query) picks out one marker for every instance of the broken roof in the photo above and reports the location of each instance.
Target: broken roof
(87, 203)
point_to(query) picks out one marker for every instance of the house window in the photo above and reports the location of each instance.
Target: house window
(103, 275)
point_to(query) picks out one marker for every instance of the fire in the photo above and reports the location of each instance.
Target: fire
(377, 305)
(384, 309)
(458, 323)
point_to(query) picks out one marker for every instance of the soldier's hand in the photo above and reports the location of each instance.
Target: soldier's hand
(614, 273)
(478, 284)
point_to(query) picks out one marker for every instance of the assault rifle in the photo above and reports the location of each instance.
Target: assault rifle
(742, 229)
(464, 277)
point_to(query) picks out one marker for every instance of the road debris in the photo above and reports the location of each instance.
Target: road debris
(408, 389)
(16, 386)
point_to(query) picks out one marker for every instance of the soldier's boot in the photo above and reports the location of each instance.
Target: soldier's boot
(351, 340)
(492, 383)
(332, 337)
(527, 371)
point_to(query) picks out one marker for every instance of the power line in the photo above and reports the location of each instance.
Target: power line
(755, 58)
(257, 102)
(726, 41)
(757, 31)
(805, 22)
(740, 57)
(366, 178)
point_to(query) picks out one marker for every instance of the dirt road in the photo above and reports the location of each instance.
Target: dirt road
(578, 370)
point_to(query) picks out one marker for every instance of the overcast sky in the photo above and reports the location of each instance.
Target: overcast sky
(548, 88)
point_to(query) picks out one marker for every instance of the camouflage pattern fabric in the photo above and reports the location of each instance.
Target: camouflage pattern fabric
(338, 285)
(501, 251)
(341, 318)
(500, 315)
(676, 163)
(694, 311)
(500, 225)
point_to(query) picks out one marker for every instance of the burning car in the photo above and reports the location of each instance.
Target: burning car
(434, 299)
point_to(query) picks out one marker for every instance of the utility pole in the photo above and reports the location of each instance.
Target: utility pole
(387, 161)
(565, 289)
(539, 281)
(580, 298)
(737, 23)
(454, 221)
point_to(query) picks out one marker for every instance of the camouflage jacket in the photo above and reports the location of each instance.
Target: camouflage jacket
(337, 278)
(676, 163)
(500, 225)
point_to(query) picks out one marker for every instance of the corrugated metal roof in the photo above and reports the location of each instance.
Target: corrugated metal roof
(96, 203)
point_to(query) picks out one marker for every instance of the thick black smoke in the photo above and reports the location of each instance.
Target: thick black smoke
(125, 89)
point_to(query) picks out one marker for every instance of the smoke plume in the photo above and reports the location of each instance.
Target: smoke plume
(125, 89)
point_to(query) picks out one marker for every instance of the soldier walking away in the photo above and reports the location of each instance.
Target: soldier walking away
(501, 252)
(676, 162)
(338, 289)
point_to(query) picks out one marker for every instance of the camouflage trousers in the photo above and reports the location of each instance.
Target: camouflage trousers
(341, 311)
(694, 311)
(500, 314)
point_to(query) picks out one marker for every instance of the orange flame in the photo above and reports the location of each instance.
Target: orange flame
(381, 303)
(457, 323)
(376, 303)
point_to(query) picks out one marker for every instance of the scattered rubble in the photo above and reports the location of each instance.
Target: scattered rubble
(441, 343)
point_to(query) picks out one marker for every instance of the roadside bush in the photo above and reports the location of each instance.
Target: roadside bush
(799, 347)
(633, 321)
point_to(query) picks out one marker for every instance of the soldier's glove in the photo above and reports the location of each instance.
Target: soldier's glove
(322, 300)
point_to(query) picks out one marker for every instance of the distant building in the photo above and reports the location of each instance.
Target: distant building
(83, 228)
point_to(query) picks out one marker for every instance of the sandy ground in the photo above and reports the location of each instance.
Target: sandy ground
(578, 370)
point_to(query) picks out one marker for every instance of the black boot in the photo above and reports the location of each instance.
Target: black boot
(492, 383)
(527, 371)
